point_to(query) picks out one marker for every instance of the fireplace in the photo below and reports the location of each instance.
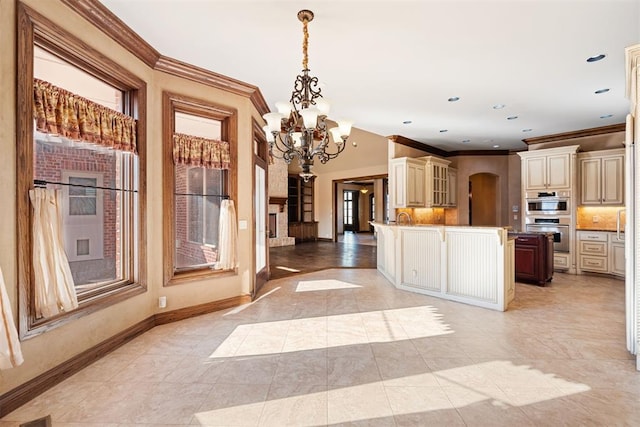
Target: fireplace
(273, 225)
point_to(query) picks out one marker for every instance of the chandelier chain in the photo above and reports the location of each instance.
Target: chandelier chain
(305, 45)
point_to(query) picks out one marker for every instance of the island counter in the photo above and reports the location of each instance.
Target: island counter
(473, 265)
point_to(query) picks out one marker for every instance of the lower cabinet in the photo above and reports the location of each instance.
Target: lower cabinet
(303, 231)
(600, 252)
(534, 258)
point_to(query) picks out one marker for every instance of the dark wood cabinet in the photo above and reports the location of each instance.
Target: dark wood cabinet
(303, 231)
(534, 257)
(301, 213)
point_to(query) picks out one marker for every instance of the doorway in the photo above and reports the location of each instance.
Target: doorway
(483, 200)
(351, 211)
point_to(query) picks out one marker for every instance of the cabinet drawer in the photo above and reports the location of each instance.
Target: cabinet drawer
(593, 248)
(560, 261)
(593, 264)
(593, 236)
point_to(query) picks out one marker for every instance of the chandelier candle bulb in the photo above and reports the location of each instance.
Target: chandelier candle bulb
(324, 106)
(268, 134)
(335, 133)
(310, 117)
(284, 108)
(297, 139)
(345, 128)
(299, 128)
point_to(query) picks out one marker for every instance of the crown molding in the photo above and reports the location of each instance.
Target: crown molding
(398, 139)
(102, 18)
(209, 78)
(620, 127)
(407, 142)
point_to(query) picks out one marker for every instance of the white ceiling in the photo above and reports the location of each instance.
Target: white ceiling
(384, 62)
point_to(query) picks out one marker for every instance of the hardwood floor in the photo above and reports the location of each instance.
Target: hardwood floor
(352, 251)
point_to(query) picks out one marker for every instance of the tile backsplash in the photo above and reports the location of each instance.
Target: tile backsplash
(598, 218)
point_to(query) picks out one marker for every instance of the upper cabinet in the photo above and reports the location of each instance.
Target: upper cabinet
(437, 181)
(406, 182)
(548, 169)
(452, 199)
(602, 177)
(420, 182)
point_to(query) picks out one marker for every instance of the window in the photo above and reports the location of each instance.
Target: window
(196, 192)
(348, 207)
(101, 193)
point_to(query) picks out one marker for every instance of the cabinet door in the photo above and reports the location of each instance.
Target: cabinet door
(452, 199)
(398, 185)
(613, 180)
(617, 259)
(590, 182)
(558, 171)
(536, 171)
(415, 185)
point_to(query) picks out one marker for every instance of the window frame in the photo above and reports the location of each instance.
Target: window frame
(177, 103)
(34, 29)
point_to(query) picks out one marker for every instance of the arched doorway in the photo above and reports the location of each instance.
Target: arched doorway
(483, 199)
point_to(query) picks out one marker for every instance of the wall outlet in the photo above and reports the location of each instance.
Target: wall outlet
(595, 219)
(162, 302)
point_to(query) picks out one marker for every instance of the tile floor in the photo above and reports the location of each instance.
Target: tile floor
(343, 347)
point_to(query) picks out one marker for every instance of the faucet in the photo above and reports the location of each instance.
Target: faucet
(404, 214)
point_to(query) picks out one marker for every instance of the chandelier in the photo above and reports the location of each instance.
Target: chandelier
(299, 128)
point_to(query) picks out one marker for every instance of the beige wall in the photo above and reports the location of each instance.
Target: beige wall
(50, 349)
(369, 158)
(471, 165)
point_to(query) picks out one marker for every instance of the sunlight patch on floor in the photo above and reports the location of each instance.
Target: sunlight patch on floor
(331, 331)
(323, 285)
(292, 270)
(499, 382)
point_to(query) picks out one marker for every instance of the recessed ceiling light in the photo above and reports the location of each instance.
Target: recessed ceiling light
(596, 58)
(407, 122)
(454, 99)
(605, 90)
(527, 130)
(512, 117)
(444, 130)
(496, 146)
(466, 141)
(499, 106)
(606, 116)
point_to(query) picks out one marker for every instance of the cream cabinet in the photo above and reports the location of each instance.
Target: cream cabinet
(602, 177)
(436, 181)
(548, 169)
(406, 182)
(600, 252)
(452, 194)
(616, 255)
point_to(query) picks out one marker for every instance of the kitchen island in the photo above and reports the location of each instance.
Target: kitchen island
(473, 265)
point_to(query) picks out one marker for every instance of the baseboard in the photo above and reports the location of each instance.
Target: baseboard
(22, 394)
(197, 310)
(324, 239)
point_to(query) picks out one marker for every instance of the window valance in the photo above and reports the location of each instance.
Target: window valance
(196, 151)
(60, 112)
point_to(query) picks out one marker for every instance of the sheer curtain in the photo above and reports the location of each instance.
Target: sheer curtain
(54, 288)
(228, 238)
(10, 352)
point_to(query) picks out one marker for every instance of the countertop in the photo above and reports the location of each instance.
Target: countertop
(598, 229)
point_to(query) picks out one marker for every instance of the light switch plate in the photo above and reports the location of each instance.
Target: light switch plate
(242, 224)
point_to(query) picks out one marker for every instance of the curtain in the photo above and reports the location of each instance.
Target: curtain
(196, 151)
(60, 112)
(10, 352)
(54, 288)
(228, 238)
